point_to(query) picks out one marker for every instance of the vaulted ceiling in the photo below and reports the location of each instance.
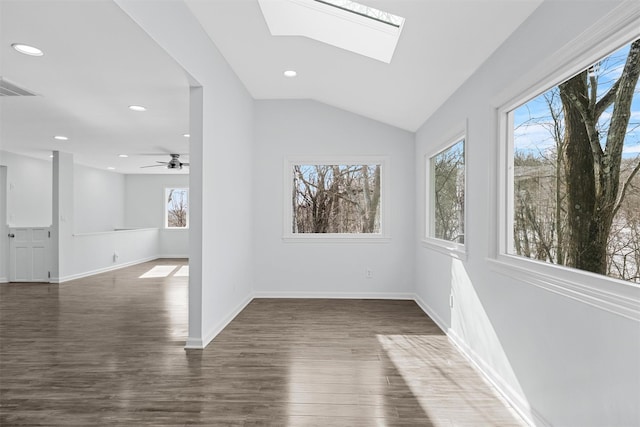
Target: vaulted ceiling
(97, 62)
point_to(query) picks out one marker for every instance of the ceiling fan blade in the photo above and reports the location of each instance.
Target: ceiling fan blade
(164, 163)
(185, 164)
(152, 166)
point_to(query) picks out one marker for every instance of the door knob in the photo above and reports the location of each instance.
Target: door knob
(12, 235)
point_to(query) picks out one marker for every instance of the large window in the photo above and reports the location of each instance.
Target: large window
(176, 208)
(335, 199)
(575, 156)
(447, 194)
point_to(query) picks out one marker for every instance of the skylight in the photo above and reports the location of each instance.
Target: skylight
(341, 23)
(365, 10)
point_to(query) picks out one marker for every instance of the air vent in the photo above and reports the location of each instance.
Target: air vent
(9, 89)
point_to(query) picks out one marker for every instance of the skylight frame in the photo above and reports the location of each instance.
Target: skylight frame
(365, 11)
(328, 22)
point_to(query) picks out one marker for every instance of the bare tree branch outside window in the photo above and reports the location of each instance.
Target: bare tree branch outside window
(576, 162)
(447, 193)
(177, 205)
(336, 198)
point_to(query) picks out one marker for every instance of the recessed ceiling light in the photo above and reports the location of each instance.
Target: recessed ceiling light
(27, 50)
(123, 155)
(137, 108)
(186, 135)
(51, 156)
(111, 168)
(61, 138)
(290, 73)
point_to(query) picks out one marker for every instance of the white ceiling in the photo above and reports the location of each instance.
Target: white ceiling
(442, 43)
(97, 62)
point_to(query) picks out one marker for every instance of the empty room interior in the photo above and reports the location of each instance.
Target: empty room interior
(320, 212)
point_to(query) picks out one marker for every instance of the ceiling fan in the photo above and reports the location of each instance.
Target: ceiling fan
(174, 163)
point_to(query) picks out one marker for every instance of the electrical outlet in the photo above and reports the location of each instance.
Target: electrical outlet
(115, 257)
(451, 301)
(368, 273)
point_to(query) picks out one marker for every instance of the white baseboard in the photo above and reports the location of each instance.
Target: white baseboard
(335, 295)
(515, 399)
(173, 256)
(4, 280)
(100, 270)
(194, 344)
(444, 326)
(201, 343)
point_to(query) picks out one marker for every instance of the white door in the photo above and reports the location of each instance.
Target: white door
(29, 254)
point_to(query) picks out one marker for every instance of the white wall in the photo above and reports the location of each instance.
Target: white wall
(573, 364)
(98, 195)
(29, 190)
(93, 253)
(221, 120)
(99, 199)
(286, 268)
(144, 208)
(91, 201)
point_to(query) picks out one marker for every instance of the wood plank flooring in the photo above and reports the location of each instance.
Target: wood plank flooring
(108, 350)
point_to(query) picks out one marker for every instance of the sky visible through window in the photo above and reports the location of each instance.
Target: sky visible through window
(177, 214)
(533, 123)
(574, 203)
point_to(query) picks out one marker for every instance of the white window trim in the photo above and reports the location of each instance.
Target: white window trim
(453, 249)
(612, 295)
(165, 225)
(385, 191)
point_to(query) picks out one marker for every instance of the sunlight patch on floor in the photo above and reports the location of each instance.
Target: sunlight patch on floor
(445, 386)
(159, 271)
(182, 272)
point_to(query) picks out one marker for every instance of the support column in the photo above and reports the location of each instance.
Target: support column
(4, 240)
(195, 340)
(62, 224)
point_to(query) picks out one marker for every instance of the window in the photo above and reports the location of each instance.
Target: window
(343, 24)
(176, 208)
(335, 199)
(447, 194)
(574, 157)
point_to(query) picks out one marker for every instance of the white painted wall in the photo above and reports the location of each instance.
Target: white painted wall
(98, 195)
(565, 363)
(285, 268)
(144, 208)
(99, 199)
(94, 253)
(29, 190)
(221, 120)
(92, 204)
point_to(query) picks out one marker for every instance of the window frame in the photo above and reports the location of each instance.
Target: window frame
(385, 215)
(166, 211)
(606, 293)
(453, 249)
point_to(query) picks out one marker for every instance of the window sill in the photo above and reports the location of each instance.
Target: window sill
(454, 250)
(612, 295)
(336, 238)
(176, 229)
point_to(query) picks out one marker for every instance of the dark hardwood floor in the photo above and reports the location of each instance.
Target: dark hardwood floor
(108, 350)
